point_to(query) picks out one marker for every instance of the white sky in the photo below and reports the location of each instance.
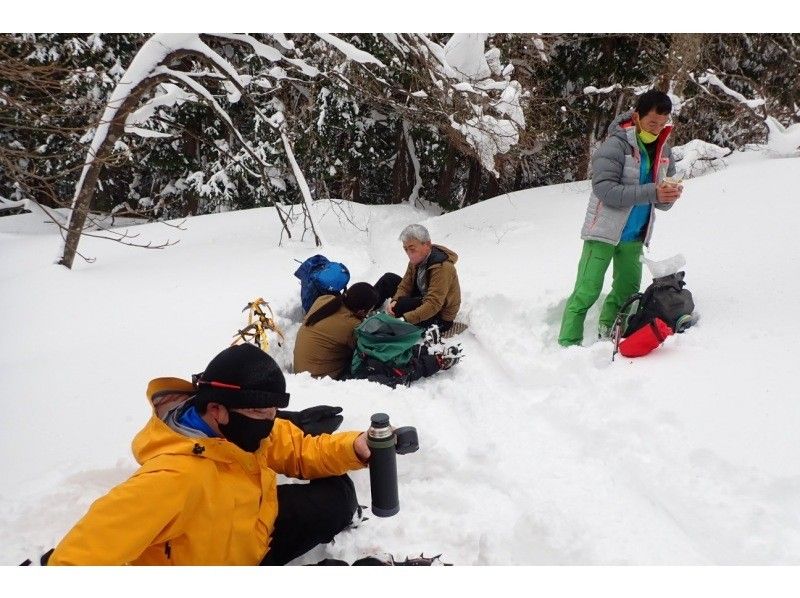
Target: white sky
(408, 15)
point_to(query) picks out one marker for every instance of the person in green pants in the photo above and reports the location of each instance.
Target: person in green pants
(629, 179)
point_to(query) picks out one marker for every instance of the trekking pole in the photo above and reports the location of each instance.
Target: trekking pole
(616, 329)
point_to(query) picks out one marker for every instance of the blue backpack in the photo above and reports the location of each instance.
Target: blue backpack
(320, 276)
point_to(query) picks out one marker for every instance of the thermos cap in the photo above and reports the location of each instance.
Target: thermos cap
(380, 420)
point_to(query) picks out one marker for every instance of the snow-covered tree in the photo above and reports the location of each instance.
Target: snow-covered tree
(157, 64)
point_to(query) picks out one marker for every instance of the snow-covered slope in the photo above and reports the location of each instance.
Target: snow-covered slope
(530, 453)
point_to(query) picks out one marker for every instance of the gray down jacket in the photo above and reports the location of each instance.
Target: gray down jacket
(615, 182)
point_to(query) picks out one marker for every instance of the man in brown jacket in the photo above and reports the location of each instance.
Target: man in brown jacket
(325, 341)
(429, 292)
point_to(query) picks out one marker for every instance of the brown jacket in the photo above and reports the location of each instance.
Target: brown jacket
(444, 293)
(326, 348)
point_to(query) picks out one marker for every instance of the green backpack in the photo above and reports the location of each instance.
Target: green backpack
(385, 339)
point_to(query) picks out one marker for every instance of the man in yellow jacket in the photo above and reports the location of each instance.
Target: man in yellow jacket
(206, 492)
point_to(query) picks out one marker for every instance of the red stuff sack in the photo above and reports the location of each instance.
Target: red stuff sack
(644, 340)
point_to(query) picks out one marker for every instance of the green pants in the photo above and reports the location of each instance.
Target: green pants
(595, 258)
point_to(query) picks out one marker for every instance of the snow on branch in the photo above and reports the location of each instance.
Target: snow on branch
(154, 50)
(697, 156)
(782, 141)
(350, 50)
(465, 53)
(476, 92)
(154, 66)
(489, 136)
(473, 99)
(10, 204)
(146, 133)
(270, 53)
(172, 96)
(710, 78)
(590, 90)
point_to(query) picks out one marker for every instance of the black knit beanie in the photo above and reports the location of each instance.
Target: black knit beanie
(361, 296)
(240, 377)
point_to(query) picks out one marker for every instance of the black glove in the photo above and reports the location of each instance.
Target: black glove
(322, 419)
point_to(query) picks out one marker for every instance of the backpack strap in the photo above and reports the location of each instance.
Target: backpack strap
(661, 338)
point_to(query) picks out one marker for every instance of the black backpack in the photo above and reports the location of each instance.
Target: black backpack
(665, 298)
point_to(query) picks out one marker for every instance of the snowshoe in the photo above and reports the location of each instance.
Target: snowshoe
(388, 561)
(456, 328)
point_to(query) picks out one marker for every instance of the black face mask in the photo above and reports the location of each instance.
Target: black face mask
(246, 432)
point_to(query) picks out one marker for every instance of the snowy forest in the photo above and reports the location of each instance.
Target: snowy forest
(233, 121)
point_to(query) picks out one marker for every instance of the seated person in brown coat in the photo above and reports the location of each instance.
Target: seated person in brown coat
(326, 340)
(429, 292)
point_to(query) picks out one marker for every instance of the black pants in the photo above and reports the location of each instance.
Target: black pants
(387, 287)
(310, 514)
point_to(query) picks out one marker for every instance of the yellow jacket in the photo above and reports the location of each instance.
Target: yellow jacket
(198, 501)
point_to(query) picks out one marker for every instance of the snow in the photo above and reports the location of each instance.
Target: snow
(782, 141)
(591, 89)
(465, 53)
(172, 95)
(489, 136)
(509, 103)
(350, 50)
(270, 53)
(11, 204)
(710, 78)
(141, 132)
(530, 453)
(697, 156)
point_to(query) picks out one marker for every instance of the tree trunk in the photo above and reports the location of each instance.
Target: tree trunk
(81, 203)
(684, 55)
(474, 182)
(492, 186)
(400, 186)
(413, 162)
(445, 185)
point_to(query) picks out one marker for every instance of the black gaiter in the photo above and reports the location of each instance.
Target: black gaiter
(246, 432)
